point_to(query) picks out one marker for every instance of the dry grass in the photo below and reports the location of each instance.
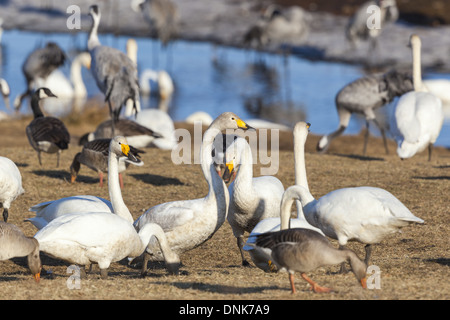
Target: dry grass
(414, 263)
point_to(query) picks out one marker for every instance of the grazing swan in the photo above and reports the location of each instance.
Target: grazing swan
(304, 250)
(189, 223)
(46, 134)
(94, 155)
(274, 224)
(251, 199)
(50, 210)
(101, 237)
(364, 214)
(10, 184)
(363, 96)
(114, 72)
(418, 115)
(13, 243)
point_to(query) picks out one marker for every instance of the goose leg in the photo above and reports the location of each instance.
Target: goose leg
(39, 157)
(100, 175)
(58, 154)
(291, 281)
(240, 244)
(121, 180)
(383, 134)
(314, 286)
(366, 138)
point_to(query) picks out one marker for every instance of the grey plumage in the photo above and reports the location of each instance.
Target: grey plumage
(114, 72)
(13, 243)
(123, 127)
(39, 64)
(46, 134)
(304, 250)
(363, 96)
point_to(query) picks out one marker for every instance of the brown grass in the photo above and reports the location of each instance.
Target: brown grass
(414, 263)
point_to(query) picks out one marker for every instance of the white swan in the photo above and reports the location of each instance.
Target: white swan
(251, 199)
(364, 214)
(101, 237)
(10, 184)
(441, 89)
(418, 115)
(189, 223)
(274, 224)
(14, 243)
(71, 93)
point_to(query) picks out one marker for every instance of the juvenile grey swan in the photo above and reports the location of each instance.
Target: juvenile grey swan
(14, 243)
(46, 134)
(363, 96)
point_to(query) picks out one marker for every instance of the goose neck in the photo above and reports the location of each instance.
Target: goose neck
(37, 112)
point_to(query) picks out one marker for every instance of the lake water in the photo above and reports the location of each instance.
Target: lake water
(216, 79)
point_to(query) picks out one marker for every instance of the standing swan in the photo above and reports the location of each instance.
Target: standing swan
(47, 134)
(274, 224)
(13, 243)
(251, 199)
(10, 184)
(189, 223)
(418, 115)
(364, 214)
(101, 237)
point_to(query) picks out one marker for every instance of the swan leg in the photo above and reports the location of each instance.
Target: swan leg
(430, 149)
(104, 273)
(314, 286)
(5, 214)
(368, 249)
(83, 274)
(144, 264)
(240, 244)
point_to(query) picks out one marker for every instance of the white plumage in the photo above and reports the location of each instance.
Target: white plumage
(10, 184)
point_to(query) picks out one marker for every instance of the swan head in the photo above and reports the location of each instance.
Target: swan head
(414, 41)
(233, 157)
(406, 150)
(119, 146)
(229, 120)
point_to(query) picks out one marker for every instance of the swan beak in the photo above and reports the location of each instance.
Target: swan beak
(242, 125)
(308, 125)
(229, 167)
(125, 149)
(363, 283)
(37, 277)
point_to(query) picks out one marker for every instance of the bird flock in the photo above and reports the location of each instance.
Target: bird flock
(86, 229)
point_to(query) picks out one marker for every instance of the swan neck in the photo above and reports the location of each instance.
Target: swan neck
(299, 161)
(76, 78)
(244, 175)
(152, 229)
(115, 193)
(215, 183)
(291, 194)
(417, 68)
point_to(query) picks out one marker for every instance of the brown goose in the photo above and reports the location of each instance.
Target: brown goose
(46, 134)
(13, 243)
(304, 250)
(95, 156)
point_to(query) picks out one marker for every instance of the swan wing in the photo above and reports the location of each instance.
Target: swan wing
(169, 216)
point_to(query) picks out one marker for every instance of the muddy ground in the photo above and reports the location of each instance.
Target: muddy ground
(414, 264)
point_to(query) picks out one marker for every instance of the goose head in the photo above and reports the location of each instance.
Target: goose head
(43, 93)
(34, 261)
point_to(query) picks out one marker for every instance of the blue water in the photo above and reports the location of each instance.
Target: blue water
(216, 79)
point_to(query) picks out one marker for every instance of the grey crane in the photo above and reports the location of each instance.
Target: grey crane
(363, 96)
(46, 134)
(39, 64)
(114, 72)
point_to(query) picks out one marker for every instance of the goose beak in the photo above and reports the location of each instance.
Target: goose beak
(363, 283)
(37, 277)
(72, 178)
